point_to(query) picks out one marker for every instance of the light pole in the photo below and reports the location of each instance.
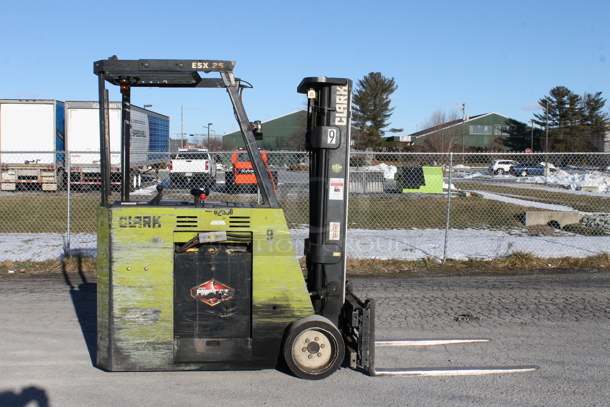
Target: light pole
(181, 126)
(208, 127)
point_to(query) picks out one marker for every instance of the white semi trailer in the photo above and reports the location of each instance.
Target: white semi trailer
(149, 143)
(32, 141)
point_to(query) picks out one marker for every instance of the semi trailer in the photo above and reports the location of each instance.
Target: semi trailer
(149, 143)
(50, 145)
(32, 142)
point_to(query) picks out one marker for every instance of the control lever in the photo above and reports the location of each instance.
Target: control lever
(157, 199)
(200, 195)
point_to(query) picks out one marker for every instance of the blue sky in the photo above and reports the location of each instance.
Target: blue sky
(491, 55)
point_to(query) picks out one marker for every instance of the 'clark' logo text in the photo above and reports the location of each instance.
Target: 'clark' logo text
(140, 222)
(341, 105)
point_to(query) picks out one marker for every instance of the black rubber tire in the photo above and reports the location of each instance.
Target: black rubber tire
(313, 348)
(209, 181)
(230, 181)
(173, 182)
(499, 171)
(62, 180)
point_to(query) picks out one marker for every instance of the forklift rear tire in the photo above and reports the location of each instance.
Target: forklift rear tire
(313, 348)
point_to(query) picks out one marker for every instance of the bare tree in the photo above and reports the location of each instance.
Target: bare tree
(297, 139)
(215, 144)
(444, 132)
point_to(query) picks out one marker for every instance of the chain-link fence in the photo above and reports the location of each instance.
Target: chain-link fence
(401, 205)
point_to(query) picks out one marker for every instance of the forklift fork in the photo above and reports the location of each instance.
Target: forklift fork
(359, 335)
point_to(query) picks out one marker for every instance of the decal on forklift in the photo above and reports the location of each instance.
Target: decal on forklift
(336, 186)
(341, 105)
(337, 168)
(332, 136)
(140, 222)
(335, 231)
(222, 212)
(206, 65)
(212, 292)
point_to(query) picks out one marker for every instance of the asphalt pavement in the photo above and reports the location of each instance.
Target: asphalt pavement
(559, 322)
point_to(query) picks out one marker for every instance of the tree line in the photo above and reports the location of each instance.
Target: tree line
(575, 123)
(568, 122)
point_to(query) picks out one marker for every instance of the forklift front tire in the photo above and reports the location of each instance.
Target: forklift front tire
(313, 348)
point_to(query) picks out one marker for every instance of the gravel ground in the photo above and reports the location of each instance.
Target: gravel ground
(559, 322)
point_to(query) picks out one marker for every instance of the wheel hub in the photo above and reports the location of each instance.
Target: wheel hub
(313, 350)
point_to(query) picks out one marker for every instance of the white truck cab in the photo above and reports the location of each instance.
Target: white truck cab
(193, 166)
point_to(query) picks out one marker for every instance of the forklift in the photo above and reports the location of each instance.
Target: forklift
(211, 285)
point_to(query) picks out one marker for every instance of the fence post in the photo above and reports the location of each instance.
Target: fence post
(545, 171)
(448, 207)
(68, 165)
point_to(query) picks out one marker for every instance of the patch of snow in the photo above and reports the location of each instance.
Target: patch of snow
(574, 181)
(388, 170)
(406, 244)
(523, 202)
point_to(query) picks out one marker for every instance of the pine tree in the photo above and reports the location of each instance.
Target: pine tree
(562, 110)
(574, 123)
(372, 107)
(594, 121)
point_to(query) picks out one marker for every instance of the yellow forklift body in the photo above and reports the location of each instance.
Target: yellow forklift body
(138, 286)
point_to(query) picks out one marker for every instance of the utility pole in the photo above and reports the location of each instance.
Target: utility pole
(463, 126)
(546, 147)
(532, 146)
(182, 126)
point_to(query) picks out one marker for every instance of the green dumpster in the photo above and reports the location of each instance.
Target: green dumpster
(421, 179)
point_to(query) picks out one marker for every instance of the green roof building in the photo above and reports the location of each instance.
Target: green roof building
(490, 131)
(276, 132)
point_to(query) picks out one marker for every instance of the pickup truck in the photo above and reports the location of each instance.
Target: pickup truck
(192, 166)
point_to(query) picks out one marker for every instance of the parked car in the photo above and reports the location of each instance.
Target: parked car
(499, 167)
(524, 169)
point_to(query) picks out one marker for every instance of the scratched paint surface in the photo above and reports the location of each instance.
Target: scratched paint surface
(136, 284)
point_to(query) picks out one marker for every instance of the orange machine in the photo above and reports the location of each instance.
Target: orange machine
(241, 177)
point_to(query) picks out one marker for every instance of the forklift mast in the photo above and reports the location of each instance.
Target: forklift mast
(328, 141)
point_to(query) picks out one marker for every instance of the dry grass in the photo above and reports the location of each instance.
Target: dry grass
(67, 265)
(515, 263)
